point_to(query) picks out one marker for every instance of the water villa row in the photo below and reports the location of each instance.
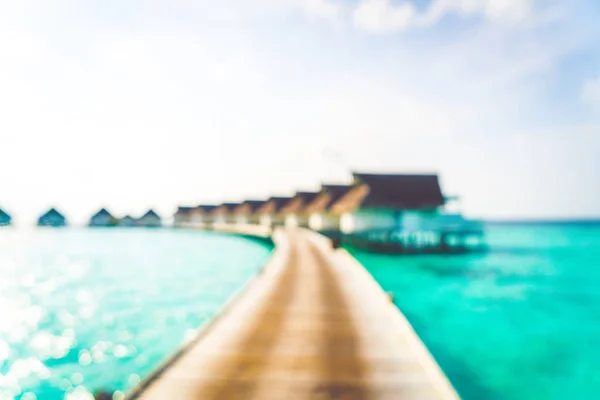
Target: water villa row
(396, 213)
(102, 218)
(105, 218)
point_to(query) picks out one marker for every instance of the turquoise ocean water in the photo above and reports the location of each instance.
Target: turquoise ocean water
(84, 309)
(521, 322)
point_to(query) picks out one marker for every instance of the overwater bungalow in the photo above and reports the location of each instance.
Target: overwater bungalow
(269, 213)
(246, 212)
(294, 213)
(151, 220)
(102, 218)
(5, 218)
(402, 213)
(182, 217)
(127, 221)
(52, 218)
(202, 215)
(224, 214)
(321, 217)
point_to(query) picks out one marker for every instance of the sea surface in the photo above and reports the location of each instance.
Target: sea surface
(89, 309)
(520, 322)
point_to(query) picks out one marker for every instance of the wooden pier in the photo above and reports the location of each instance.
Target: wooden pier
(312, 325)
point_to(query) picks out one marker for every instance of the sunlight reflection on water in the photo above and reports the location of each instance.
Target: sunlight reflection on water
(84, 310)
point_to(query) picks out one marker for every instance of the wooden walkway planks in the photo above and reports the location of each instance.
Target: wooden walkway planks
(314, 325)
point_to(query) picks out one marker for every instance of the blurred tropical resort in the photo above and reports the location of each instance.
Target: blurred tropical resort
(131, 313)
(299, 199)
(398, 213)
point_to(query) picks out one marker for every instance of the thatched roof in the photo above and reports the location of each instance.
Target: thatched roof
(225, 208)
(102, 213)
(205, 208)
(396, 191)
(328, 196)
(184, 210)
(298, 202)
(53, 212)
(150, 214)
(249, 207)
(274, 205)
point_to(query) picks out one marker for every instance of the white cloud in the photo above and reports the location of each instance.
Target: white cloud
(323, 9)
(381, 16)
(591, 93)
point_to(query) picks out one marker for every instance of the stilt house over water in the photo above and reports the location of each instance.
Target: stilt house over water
(294, 212)
(182, 216)
(52, 218)
(5, 218)
(127, 220)
(404, 212)
(321, 217)
(269, 213)
(224, 214)
(246, 212)
(202, 215)
(150, 220)
(103, 218)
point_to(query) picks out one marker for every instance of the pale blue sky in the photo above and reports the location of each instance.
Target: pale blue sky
(153, 103)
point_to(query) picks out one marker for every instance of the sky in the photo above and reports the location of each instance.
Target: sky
(148, 103)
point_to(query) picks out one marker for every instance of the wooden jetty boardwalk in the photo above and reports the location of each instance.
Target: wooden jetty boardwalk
(312, 325)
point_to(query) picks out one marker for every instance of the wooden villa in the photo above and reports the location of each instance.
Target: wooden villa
(246, 213)
(294, 213)
(320, 216)
(224, 214)
(402, 213)
(102, 218)
(269, 213)
(149, 220)
(5, 218)
(127, 221)
(182, 217)
(201, 215)
(52, 218)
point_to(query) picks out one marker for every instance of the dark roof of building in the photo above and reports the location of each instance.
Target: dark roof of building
(279, 202)
(52, 212)
(327, 197)
(307, 197)
(4, 214)
(249, 207)
(299, 202)
(224, 208)
(253, 204)
(184, 210)
(103, 212)
(207, 208)
(274, 204)
(336, 190)
(127, 217)
(399, 191)
(150, 213)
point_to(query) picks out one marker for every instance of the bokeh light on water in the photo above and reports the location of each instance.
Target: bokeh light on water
(83, 310)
